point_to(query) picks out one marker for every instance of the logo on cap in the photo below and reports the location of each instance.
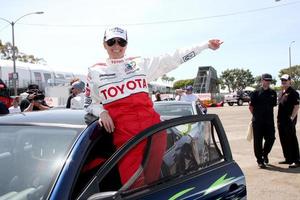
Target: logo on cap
(115, 32)
(285, 77)
(267, 77)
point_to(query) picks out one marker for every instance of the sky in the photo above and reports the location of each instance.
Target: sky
(257, 34)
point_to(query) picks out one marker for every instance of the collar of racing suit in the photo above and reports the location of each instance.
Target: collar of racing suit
(115, 61)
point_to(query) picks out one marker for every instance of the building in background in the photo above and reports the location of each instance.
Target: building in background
(206, 80)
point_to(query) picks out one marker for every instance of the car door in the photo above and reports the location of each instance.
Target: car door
(196, 164)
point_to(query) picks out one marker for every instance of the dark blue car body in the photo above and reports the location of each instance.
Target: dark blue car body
(184, 174)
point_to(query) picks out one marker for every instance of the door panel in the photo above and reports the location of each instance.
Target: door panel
(196, 163)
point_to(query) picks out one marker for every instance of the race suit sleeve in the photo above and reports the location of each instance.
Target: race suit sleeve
(92, 102)
(160, 65)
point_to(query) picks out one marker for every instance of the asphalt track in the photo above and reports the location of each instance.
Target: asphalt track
(275, 182)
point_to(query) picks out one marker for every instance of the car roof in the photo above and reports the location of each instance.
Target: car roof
(172, 103)
(50, 117)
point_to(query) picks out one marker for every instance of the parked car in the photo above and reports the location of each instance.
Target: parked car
(238, 97)
(173, 109)
(48, 154)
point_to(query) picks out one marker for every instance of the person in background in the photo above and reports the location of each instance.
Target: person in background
(77, 102)
(68, 105)
(157, 96)
(178, 94)
(15, 108)
(5, 99)
(34, 101)
(287, 119)
(262, 102)
(189, 96)
(120, 97)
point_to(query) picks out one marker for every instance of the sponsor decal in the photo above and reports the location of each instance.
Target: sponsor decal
(102, 75)
(117, 61)
(116, 90)
(87, 102)
(189, 56)
(117, 29)
(130, 67)
(107, 76)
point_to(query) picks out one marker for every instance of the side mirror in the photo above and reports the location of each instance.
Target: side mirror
(103, 196)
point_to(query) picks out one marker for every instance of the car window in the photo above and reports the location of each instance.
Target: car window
(31, 157)
(174, 109)
(190, 147)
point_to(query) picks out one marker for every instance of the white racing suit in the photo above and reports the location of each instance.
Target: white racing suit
(120, 87)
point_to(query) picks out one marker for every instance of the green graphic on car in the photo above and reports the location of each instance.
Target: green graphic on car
(218, 184)
(179, 194)
(222, 181)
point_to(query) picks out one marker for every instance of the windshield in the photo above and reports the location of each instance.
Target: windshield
(174, 109)
(31, 158)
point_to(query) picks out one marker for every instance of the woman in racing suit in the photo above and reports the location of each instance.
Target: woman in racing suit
(118, 90)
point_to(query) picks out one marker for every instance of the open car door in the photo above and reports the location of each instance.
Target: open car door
(196, 164)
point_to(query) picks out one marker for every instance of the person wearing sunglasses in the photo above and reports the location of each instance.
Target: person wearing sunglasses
(262, 103)
(288, 108)
(119, 91)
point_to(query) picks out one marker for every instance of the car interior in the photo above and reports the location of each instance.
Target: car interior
(29, 160)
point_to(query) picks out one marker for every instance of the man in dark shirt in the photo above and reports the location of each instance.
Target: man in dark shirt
(287, 119)
(263, 100)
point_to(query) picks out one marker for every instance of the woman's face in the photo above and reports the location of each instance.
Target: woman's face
(115, 48)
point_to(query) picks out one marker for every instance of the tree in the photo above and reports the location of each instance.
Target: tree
(236, 79)
(183, 83)
(164, 77)
(171, 79)
(167, 79)
(294, 72)
(6, 53)
(226, 79)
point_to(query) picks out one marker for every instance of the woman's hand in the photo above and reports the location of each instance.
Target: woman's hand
(214, 44)
(106, 121)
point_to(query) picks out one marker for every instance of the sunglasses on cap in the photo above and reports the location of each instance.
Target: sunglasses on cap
(121, 42)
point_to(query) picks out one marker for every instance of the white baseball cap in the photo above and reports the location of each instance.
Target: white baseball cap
(285, 77)
(115, 32)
